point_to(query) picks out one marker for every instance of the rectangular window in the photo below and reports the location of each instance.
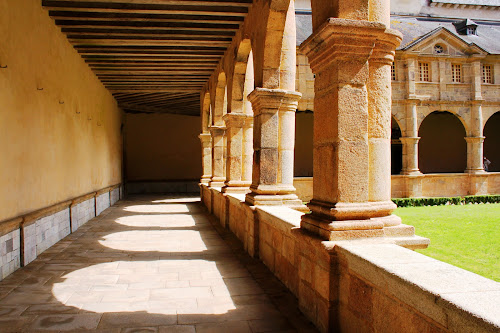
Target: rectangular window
(423, 71)
(487, 74)
(456, 73)
(393, 72)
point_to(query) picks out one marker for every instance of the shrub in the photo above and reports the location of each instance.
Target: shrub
(418, 202)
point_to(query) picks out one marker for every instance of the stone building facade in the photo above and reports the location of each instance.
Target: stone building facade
(446, 76)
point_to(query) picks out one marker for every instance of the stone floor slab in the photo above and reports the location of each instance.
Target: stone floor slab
(148, 264)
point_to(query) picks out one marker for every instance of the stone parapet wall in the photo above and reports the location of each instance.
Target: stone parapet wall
(425, 185)
(24, 238)
(388, 288)
(360, 286)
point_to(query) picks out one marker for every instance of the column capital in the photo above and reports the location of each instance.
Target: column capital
(233, 120)
(474, 139)
(217, 130)
(271, 100)
(409, 139)
(349, 39)
(385, 47)
(205, 137)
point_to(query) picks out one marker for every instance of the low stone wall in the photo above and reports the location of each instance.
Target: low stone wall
(304, 187)
(425, 185)
(24, 238)
(392, 289)
(359, 286)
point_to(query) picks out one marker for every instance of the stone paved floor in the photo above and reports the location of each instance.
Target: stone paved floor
(148, 264)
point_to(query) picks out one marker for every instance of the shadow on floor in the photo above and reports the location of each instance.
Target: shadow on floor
(148, 264)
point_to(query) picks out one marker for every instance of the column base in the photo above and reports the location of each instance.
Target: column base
(478, 171)
(237, 187)
(205, 180)
(344, 221)
(342, 211)
(217, 182)
(387, 229)
(413, 172)
(289, 200)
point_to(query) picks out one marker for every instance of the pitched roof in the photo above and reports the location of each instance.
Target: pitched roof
(415, 29)
(492, 3)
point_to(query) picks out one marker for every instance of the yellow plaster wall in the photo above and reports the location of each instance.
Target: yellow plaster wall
(162, 147)
(60, 142)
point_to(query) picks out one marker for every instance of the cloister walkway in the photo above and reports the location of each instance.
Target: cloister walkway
(148, 264)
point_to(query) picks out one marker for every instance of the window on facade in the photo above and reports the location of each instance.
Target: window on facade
(423, 71)
(393, 72)
(456, 73)
(487, 74)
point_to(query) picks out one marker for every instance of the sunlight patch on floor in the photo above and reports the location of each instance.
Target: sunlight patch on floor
(159, 286)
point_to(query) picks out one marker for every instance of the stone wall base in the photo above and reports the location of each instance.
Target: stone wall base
(24, 238)
(359, 285)
(81, 213)
(10, 253)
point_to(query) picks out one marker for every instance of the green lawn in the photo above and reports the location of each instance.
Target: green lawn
(465, 236)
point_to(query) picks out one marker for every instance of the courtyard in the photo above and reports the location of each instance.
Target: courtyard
(465, 235)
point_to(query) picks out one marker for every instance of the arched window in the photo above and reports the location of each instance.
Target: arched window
(442, 147)
(491, 149)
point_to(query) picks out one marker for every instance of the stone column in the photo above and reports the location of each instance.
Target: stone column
(206, 157)
(476, 139)
(410, 142)
(235, 183)
(474, 154)
(339, 53)
(218, 159)
(273, 121)
(379, 118)
(248, 149)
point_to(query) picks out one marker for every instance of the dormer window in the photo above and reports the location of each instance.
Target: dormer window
(466, 27)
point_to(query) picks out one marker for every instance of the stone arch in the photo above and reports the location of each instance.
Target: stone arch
(206, 113)
(396, 147)
(456, 112)
(273, 42)
(442, 147)
(220, 107)
(243, 79)
(491, 148)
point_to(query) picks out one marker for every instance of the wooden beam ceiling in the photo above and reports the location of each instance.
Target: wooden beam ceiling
(153, 55)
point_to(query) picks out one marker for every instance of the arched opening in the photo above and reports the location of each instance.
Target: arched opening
(442, 147)
(491, 148)
(206, 114)
(243, 79)
(270, 60)
(220, 101)
(396, 148)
